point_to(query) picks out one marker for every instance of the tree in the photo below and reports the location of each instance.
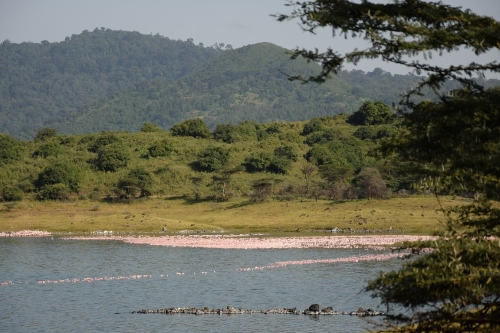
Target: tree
(308, 170)
(138, 183)
(160, 149)
(60, 173)
(111, 158)
(454, 139)
(212, 159)
(48, 149)
(258, 162)
(261, 189)
(192, 127)
(221, 185)
(150, 127)
(10, 149)
(371, 113)
(45, 133)
(104, 139)
(371, 184)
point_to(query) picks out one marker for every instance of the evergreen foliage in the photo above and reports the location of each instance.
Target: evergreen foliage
(452, 139)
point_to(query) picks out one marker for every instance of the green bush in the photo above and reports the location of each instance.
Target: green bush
(313, 125)
(225, 133)
(150, 127)
(366, 133)
(160, 149)
(258, 162)
(45, 133)
(60, 173)
(111, 158)
(48, 149)
(102, 141)
(10, 149)
(11, 193)
(212, 159)
(57, 191)
(280, 165)
(192, 127)
(138, 183)
(286, 152)
(371, 113)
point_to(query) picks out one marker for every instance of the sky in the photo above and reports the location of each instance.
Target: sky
(235, 22)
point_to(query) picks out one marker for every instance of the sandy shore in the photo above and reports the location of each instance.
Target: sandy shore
(250, 242)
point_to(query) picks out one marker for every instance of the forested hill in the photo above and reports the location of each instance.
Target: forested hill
(42, 82)
(243, 84)
(118, 80)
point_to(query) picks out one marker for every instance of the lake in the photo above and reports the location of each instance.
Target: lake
(123, 278)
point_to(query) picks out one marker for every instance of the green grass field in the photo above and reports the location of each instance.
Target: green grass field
(416, 214)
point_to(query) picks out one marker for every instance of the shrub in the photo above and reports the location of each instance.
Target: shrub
(212, 159)
(371, 113)
(160, 149)
(191, 127)
(313, 125)
(150, 127)
(371, 184)
(48, 149)
(111, 158)
(102, 141)
(280, 165)
(57, 191)
(258, 162)
(10, 149)
(45, 133)
(225, 133)
(11, 193)
(60, 173)
(137, 183)
(286, 152)
(365, 132)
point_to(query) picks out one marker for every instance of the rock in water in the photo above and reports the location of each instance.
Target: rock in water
(314, 307)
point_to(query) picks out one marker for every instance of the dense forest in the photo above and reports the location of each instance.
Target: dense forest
(40, 83)
(117, 80)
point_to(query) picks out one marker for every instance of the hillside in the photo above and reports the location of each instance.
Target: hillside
(42, 82)
(243, 84)
(117, 80)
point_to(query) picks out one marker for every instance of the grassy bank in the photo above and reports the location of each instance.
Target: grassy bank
(410, 214)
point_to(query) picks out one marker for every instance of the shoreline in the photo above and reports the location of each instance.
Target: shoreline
(246, 242)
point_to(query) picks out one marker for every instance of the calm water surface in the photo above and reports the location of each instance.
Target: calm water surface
(106, 306)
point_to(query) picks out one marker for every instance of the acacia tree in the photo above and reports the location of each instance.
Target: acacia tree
(453, 140)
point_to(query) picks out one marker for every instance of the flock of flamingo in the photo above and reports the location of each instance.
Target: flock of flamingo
(374, 242)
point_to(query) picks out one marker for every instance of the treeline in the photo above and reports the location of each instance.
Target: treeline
(325, 157)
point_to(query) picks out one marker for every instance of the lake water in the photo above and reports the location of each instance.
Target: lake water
(106, 303)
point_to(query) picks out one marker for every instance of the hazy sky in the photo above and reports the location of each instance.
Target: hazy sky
(235, 22)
